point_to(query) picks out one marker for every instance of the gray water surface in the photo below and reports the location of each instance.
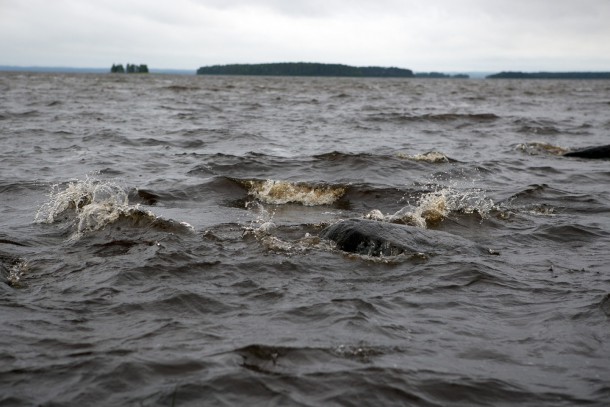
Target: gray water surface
(159, 241)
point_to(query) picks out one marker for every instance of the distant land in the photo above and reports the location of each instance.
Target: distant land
(315, 69)
(131, 68)
(67, 69)
(436, 75)
(550, 75)
(305, 69)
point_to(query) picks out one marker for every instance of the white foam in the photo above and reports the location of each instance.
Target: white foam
(433, 207)
(535, 148)
(283, 192)
(262, 227)
(92, 204)
(431, 157)
(17, 271)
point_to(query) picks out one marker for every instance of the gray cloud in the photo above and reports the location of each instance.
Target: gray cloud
(443, 35)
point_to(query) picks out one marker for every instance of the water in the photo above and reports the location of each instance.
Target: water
(159, 241)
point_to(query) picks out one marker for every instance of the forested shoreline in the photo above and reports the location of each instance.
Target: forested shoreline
(305, 69)
(549, 75)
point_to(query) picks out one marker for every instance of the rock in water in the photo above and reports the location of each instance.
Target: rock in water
(592, 152)
(374, 238)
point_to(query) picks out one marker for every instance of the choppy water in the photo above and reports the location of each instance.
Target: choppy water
(159, 241)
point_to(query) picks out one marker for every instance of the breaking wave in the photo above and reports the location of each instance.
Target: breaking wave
(536, 148)
(429, 117)
(433, 207)
(283, 192)
(92, 205)
(431, 157)
(263, 227)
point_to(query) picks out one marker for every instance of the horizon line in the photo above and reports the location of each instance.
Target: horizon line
(99, 69)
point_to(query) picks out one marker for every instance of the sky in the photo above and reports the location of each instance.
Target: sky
(422, 35)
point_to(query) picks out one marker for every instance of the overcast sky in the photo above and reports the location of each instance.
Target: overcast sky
(423, 35)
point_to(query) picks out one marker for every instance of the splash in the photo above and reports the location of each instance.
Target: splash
(262, 227)
(537, 148)
(263, 223)
(375, 214)
(433, 207)
(94, 204)
(16, 272)
(430, 157)
(283, 192)
(430, 210)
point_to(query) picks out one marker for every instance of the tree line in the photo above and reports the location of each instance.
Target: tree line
(550, 75)
(305, 69)
(131, 68)
(437, 75)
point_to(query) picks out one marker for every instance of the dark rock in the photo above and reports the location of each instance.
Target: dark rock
(592, 152)
(374, 238)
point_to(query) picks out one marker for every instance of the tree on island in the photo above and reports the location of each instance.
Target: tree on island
(437, 75)
(117, 68)
(131, 68)
(305, 69)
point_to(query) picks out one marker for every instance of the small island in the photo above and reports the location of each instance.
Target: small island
(550, 75)
(131, 68)
(305, 69)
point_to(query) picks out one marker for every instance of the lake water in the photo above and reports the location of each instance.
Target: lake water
(160, 241)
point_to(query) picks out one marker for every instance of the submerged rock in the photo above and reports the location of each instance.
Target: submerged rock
(374, 238)
(592, 152)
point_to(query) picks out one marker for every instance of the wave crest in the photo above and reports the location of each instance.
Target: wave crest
(536, 148)
(283, 192)
(430, 157)
(94, 204)
(433, 207)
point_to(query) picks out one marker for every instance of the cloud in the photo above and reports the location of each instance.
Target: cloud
(441, 35)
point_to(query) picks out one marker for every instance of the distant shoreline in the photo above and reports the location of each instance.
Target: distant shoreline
(549, 75)
(68, 69)
(306, 69)
(381, 72)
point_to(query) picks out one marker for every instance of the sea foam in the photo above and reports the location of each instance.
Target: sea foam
(93, 204)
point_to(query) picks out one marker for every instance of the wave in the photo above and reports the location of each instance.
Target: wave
(276, 244)
(283, 192)
(430, 157)
(575, 235)
(536, 148)
(278, 239)
(360, 373)
(538, 127)
(433, 207)
(248, 165)
(341, 156)
(429, 117)
(19, 115)
(331, 167)
(13, 269)
(544, 199)
(12, 187)
(265, 358)
(180, 88)
(92, 205)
